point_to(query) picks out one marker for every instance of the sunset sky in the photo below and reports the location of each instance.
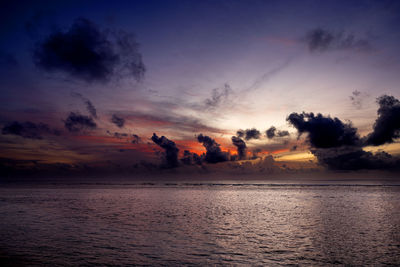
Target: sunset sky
(85, 84)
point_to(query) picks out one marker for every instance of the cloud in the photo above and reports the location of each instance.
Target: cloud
(86, 52)
(272, 132)
(354, 159)
(240, 145)
(219, 96)
(387, 125)
(28, 130)
(120, 135)
(249, 134)
(135, 139)
(357, 98)
(337, 145)
(267, 76)
(324, 132)
(321, 40)
(178, 122)
(214, 153)
(120, 122)
(171, 151)
(190, 158)
(76, 122)
(89, 106)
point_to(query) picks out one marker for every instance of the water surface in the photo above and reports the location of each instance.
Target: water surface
(200, 224)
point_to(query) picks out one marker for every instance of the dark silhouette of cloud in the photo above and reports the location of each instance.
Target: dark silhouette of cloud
(338, 146)
(321, 40)
(190, 158)
(357, 99)
(171, 151)
(76, 122)
(354, 159)
(214, 153)
(120, 122)
(88, 53)
(135, 139)
(324, 132)
(387, 125)
(249, 134)
(272, 132)
(28, 129)
(91, 109)
(89, 106)
(240, 145)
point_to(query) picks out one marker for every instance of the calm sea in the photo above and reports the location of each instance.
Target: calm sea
(200, 224)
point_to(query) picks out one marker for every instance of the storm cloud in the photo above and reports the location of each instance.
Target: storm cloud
(273, 132)
(240, 145)
(321, 40)
(88, 53)
(28, 129)
(118, 121)
(76, 122)
(171, 151)
(387, 125)
(214, 153)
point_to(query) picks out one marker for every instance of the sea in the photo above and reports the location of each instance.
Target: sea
(199, 224)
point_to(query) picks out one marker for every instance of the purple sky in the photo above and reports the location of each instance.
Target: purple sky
(95, 80)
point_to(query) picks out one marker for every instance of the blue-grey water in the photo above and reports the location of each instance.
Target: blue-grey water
(200, 224)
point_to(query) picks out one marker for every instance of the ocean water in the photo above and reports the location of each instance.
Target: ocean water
(200, 224)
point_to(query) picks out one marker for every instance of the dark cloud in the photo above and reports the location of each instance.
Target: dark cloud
(130, 60)
(171, 151)
(28, 129)
(120, 122)
(88, 53)
(240, 145)
(135, 139)
(249, 134)
(272, 132)
(89, 106)
(252, 134)
(337, 145)
(321, 40)
(324, 132)
(354, 159)
(76, 122)
(190, 158)
(387, 125)
(214, 153)
(91, 109)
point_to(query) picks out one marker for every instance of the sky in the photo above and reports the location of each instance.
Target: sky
(255, 86)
